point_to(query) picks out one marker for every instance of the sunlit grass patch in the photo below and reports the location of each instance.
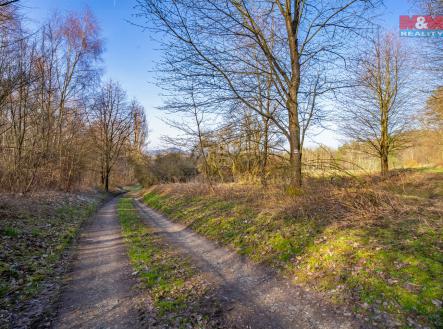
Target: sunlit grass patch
(431, 170)
(397, 280)
(378, 246)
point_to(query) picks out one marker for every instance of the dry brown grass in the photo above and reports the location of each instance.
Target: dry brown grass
(341, 200)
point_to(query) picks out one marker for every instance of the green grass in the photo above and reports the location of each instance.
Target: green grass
(401, 274)
(260, 235)
(393, 265)
(11, 232)
(431, 170)
(173, 282)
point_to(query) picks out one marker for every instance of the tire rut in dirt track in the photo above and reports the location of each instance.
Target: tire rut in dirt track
(253, 297)
(99, 291)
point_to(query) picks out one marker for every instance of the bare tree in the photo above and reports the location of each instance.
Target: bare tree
(112, 127)
(7, 2)
(299, 44)
(70, 48)
(194, 131)
(140, 126)
(376, 109)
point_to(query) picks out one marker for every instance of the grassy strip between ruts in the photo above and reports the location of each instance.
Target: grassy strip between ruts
(390, 263)
(180, 295)
(35, 231)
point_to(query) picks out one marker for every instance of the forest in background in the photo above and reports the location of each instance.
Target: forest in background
(63, 128)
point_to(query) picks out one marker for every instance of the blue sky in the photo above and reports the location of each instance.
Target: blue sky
(130, 53)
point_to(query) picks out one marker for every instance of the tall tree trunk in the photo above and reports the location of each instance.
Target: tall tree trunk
(295, 154)
(292, 24)
(107, 182)
(264, 162)
(384, 143)
(384, 164)
(294, 139)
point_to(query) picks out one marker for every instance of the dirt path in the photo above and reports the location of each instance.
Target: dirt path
(99, 290)
(253, 296)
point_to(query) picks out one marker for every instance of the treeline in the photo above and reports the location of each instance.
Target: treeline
(252, 80)
(61, 127)
(238, 162)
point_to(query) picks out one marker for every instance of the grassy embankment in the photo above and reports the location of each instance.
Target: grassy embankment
(179, 293)
(34, 233)
(376, 244)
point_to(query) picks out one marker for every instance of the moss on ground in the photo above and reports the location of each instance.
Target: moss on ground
(390, 262)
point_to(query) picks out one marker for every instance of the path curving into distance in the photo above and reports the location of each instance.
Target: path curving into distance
(99, 290)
